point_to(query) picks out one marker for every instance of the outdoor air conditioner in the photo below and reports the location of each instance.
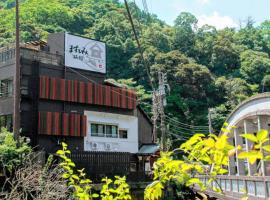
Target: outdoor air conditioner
(94, 146)
(108, 147)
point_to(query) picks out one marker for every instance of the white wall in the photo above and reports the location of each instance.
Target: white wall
(129, 123)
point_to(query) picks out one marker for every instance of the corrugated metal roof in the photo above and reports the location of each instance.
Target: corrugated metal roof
(148, 149)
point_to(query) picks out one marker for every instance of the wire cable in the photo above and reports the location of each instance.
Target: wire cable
(139, 45)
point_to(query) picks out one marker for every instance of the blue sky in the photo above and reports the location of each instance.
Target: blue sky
(220, 13)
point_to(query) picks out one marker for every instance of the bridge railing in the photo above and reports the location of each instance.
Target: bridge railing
(255, 187)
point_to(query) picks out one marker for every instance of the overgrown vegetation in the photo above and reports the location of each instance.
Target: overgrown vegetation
(206, 67)
(82, 187)
(200, 155)
(205, 155)
(11, 156)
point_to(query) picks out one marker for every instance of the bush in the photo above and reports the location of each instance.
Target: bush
(11, 155)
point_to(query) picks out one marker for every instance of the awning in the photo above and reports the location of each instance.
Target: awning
(148, 149)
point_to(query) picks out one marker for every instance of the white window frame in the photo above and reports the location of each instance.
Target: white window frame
(105, 126)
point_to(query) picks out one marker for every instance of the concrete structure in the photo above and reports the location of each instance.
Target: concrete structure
(249, 117)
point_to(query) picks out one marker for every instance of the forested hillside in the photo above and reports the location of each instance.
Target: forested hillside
(207, 68)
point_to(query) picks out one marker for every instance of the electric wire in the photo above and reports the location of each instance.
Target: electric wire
(185, 124)
(139, 45)
(187, 129)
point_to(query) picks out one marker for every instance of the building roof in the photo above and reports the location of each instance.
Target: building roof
(148, 149)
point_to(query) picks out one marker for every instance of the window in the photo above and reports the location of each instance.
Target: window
(111, 131)
(107, 130)
(123, 134)
(6, 88)
(98, 130)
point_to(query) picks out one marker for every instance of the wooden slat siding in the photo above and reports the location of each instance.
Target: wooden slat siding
(69, 90)
(57, 124)
(78, 125)
(52, 92)
(54, 123)
(63, 89)
(83, 125)
(49, 123)
(82, 92)
(65, 124)
(90, 93)
(123, 98)
(108, 163)
(75, 99)
(107, 96)
(114, 97)
(118, 97)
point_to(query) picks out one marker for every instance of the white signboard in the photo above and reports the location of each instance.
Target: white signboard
(82, 53)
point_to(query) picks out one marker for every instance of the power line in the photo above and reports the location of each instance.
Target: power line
(139, 45)
(187, 132)
(145, 6)
(184, 128)
(177, 136)
(184, 123)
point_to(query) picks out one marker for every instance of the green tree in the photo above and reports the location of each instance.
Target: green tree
(184, 38)
(254, 65)
(225, 57)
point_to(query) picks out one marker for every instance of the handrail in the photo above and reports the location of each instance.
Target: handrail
(256, 187)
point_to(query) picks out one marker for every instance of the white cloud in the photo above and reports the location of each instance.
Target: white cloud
(203, 2)
(216, 20)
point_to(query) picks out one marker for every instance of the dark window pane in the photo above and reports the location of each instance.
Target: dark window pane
(123, 134)
(108, 131)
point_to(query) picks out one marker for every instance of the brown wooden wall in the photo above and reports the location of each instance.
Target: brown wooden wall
(61, 124)
(88, 93)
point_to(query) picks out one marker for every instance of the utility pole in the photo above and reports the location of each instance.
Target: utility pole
(161, 99)
(155, 101)
(17, 92)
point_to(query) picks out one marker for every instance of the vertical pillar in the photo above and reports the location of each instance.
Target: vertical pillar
(240, 162)
(263, 124)
(232, 163)
(249, 130)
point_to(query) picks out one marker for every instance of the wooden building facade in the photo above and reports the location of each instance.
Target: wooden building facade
(60, 103)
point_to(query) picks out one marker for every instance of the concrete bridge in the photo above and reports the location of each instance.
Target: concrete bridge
(243, 179)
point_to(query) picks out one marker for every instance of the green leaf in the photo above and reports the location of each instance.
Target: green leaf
(193, 181)
(266, 148)
(65, 176)
(267, 158)
(60, 152)
(250, 137)
(75, 177)
(262, 134)
(95, 195)
(252, 156)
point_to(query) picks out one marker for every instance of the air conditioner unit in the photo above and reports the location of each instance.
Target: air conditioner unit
(108, 147)
(94, 146)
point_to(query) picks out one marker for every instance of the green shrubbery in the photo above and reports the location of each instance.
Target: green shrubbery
(11, 156)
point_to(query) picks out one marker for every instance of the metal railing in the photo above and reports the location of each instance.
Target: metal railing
(235, 187)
